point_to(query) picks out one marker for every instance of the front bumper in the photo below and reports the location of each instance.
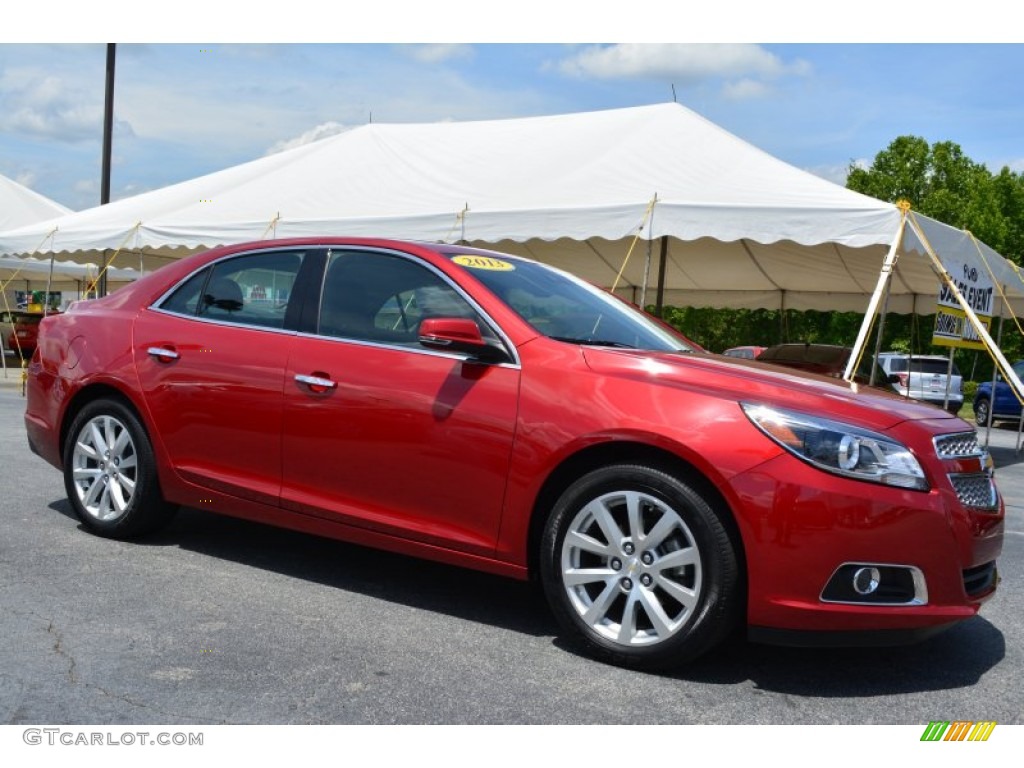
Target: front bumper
(801, 525)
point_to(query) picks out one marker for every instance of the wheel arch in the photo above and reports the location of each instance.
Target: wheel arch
(627, 452)
(88, 394)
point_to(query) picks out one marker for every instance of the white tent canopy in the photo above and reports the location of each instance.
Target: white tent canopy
(737, 227)
(20, 206)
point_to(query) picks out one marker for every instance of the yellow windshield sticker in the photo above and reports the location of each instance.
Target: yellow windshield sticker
(484, 262)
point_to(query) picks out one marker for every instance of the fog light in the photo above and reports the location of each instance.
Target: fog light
(876, 584)
(866, 580)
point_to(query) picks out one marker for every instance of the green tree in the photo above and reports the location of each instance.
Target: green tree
(940, 181)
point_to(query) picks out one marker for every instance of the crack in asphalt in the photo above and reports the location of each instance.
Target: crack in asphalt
(58, 648)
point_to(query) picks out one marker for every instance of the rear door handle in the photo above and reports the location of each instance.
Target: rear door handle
(317, 384)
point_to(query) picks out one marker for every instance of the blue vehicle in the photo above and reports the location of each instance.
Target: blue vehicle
(1006, 407)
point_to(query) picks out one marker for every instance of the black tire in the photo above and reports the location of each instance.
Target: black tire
(981, 412)
(110, 473)
(654, 593)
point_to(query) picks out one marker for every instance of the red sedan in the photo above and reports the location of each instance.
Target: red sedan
(495, 413)
(22, 337)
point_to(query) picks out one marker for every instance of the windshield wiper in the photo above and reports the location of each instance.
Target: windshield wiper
(594, 342)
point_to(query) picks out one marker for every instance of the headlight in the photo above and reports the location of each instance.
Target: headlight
(840, 448)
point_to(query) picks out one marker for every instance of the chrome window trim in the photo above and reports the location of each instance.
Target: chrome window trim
(494, 326)
(418, 350)
(516, 362)
(228, 323)
(917, 575)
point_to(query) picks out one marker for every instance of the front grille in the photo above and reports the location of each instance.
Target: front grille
(975, 490)
(980, 579)
(958, 446)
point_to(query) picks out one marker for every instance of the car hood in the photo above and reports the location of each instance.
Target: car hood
(753, 382)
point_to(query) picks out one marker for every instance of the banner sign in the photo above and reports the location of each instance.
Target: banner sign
(952, 328)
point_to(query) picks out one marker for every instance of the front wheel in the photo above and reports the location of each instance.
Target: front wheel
(638, 564)
(110, 473)
(981, 412)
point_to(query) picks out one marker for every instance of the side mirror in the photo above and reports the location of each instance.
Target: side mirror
(892, 378)
(459, 334)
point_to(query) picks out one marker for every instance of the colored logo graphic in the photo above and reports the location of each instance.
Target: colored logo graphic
(958, 730)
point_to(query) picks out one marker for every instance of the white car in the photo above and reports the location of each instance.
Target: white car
(925, 377)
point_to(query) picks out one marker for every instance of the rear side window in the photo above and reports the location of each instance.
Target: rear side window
(919, 365)
(185, 300)
(249, 290)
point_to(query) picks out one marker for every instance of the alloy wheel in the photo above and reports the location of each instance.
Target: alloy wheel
(105, 467)
(631, 568)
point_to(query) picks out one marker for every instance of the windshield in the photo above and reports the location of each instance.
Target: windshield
(565, 308)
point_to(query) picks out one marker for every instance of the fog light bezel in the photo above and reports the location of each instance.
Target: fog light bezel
(840, 586)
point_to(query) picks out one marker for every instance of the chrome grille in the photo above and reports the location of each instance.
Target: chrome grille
(961, 445)
(975, 490)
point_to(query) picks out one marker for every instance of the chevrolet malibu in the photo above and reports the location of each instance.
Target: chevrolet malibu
(491, 412)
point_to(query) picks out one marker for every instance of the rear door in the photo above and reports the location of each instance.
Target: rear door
(211, 359)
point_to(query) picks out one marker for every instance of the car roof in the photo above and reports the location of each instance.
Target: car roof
(809, 353)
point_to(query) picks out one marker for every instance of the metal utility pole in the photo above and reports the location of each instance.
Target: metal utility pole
(108, 140)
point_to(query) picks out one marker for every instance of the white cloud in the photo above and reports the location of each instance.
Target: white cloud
(745, 89)
(41, 105)
(26, 179)
(438, 53)
(321, 131)
(685, 63)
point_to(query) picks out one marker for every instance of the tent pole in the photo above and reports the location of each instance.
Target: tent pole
(869, 316)
(881, 329)
(995, 379)
(659, 307)
(647, 278)
(782, 317)
(49, 282)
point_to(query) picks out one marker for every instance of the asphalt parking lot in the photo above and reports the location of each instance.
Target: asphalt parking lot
(223, 621)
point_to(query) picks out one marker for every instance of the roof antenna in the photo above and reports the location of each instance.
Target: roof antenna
(673, 93)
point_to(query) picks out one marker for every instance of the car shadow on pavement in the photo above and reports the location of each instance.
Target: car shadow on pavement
(437, 587)
(956, 658)
(937, 664)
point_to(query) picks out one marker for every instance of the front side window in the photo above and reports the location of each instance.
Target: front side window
(378, 297)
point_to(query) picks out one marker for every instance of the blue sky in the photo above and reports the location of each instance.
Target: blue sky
(186, 108)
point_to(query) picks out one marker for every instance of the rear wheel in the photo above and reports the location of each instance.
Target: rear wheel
(110, 473)
(637, 564)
